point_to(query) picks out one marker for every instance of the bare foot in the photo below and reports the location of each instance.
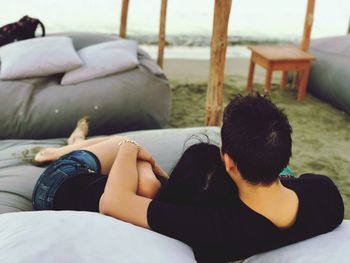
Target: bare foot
(80, 132)
(45, 155)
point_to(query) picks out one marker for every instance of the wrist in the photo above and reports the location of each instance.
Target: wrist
(129, 143)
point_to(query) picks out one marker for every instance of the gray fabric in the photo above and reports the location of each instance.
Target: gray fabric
(18, 176)
(40, 108)
(330, 73)
(83, 237)
(329, 247)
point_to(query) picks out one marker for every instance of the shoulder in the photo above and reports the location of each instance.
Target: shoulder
(321, 199)
(317, 184)
(312, 182)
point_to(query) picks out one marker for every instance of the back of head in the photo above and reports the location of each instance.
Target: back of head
(257, 137)
(198, 178)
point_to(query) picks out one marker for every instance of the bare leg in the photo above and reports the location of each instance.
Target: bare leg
(80, 132)
(106, 151)
(105, 148)
(52, 154)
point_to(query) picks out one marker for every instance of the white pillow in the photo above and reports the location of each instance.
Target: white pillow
(332, 247)
(69, 236)
(38, 57)
(102, 60)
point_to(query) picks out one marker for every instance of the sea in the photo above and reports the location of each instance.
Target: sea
(189, 22)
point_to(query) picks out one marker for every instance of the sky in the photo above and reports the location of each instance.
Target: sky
(262, 18)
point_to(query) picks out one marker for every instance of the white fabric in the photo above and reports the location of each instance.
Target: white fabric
(102, 60)
(68, 236)
(38, 57)
(332, 247)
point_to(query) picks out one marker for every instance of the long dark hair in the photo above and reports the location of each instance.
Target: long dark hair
(199, 178)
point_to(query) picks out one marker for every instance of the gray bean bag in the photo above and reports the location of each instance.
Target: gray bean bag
(91, 237)
(330, 73)
(40, 108)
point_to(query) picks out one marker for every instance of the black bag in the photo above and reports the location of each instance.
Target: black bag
(23, 29)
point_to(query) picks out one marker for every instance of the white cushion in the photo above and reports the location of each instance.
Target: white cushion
(68, 236)
(38, 57)
(102, 60)
(332, 247)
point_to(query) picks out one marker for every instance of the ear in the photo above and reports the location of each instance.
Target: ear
(230, 165)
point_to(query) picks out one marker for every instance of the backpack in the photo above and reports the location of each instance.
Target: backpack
(23, 29)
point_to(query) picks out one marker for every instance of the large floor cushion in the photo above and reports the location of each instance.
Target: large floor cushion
(330, 73)
(68, 236)
(330, 247)
(40, 108)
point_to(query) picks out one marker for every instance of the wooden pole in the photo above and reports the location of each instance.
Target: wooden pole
(123, 19)
(349, 27)
(309, 18)
(161, 37)
(214, 102)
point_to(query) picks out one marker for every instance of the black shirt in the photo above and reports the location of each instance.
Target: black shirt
(228, 231)
(234, 231)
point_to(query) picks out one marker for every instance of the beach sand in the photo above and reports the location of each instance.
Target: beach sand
(190, 70)
(321, 137)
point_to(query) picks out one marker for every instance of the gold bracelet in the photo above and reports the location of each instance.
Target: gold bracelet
(130, 141)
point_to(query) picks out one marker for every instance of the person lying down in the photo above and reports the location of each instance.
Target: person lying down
(227, 202)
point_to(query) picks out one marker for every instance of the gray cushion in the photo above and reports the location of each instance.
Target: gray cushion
(18, 177)
(330, 73)
(40, 108)
(330, 247)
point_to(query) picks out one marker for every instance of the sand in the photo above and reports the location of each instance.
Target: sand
(189, 70)
(321, 137)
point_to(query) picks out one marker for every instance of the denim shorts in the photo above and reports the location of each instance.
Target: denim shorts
(72, 164)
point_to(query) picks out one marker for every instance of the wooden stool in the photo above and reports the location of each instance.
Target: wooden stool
(282, 58)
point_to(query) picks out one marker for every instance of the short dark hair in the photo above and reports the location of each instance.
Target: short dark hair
(199, 178)
(257, 137)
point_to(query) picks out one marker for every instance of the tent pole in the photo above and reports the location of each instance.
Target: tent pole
(123, 18)
(161, 37)
(214, 101)
(309, 18)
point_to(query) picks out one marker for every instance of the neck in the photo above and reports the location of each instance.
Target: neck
(256, 194)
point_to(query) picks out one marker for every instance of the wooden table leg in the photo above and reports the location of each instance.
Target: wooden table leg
(284, 79)
(251, 75)
(298, 79)
(268, 78)
(303, 84)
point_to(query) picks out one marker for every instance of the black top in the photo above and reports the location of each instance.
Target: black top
(228, 231)
(83, 192)
(234, 231)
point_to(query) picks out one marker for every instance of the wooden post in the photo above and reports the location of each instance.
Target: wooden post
(123, 18)
(214, 102)
(349, 27)
(161, 37)
(309, 18)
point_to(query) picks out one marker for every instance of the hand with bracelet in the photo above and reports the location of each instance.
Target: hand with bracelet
(144, 155)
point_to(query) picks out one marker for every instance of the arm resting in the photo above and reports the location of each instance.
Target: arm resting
(119, 199)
